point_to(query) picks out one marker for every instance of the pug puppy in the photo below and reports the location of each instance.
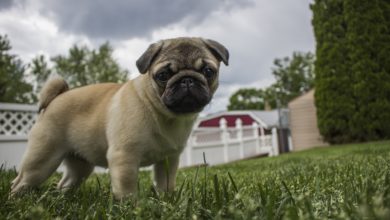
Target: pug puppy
(124, 126)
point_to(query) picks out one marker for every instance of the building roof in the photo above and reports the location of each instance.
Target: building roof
(270, 118)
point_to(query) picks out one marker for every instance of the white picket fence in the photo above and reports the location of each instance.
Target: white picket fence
(225, 144)
(15, 122)
(219, 145)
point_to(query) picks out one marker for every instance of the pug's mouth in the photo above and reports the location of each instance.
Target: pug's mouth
(186, 95)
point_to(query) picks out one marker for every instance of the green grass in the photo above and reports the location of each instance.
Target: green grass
(340, 182)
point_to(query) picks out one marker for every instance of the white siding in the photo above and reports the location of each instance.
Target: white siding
(303, 123)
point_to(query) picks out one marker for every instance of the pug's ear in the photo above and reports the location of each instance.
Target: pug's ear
(143, 63)
(218, 50)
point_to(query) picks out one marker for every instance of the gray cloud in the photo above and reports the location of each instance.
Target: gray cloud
(6, 4)
(120, 19)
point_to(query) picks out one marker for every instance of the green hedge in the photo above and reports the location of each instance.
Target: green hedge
(352, 69)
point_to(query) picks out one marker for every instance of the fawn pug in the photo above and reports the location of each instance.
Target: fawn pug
(142, 122)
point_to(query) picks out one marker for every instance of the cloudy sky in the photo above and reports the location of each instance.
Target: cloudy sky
(255, 31)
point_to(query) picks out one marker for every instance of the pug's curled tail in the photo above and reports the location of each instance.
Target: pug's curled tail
(50, 91)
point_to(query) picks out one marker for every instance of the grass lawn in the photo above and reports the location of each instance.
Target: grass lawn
(340, 182)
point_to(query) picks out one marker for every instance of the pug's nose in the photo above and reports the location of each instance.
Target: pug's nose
(187, 82)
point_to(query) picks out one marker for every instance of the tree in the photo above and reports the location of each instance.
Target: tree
(352, 69)
(294, 76)
(247, 99)
(81, 67)
(41, 70)
(13, 87)
(369, 51)
(333, 95)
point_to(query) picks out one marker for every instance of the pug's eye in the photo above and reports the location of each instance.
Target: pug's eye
(163, 76)
(208, 72)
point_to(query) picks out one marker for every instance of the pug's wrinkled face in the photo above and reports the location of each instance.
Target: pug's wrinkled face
(184, 71)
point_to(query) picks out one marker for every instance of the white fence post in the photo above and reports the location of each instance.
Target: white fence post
(224, 138)
(240, 137)
(255, 127)
(275, 145)
(262, 137)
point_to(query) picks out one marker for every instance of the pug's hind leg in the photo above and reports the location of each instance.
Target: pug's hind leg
(39, 162)
(76, 170)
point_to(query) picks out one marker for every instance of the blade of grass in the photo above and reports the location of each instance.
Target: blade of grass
(233, 183)
(195, 182)
(217, 192)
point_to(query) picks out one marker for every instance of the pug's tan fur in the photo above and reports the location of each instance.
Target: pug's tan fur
(119, 126)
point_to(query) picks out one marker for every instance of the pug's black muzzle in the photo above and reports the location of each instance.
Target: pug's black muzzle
(186, 95)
